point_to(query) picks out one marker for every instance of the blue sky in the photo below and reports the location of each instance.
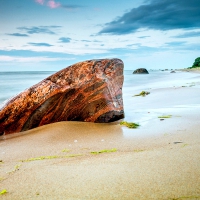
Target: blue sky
(53, 34)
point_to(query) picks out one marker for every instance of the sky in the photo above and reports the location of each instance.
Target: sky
(49, 35)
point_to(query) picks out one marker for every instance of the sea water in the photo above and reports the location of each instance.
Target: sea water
(12, 83)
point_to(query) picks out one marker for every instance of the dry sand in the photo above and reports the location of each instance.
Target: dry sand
(195, 70)
(159, 160)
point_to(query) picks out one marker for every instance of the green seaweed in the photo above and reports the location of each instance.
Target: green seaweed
(3, 192)
(129, 124)
(1, 178)
(65, 150)
(17, 167)
(143, 93)
(184, 145)
(138, 150)
(165, 116)
(104, 151)
(50, 157)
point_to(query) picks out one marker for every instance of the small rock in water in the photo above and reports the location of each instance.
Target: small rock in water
(141, 71)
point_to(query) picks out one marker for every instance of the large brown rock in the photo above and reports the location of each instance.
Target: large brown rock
(89, 91)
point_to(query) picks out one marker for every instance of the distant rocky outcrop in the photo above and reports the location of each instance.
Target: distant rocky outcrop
(89, 91)
(140, 71)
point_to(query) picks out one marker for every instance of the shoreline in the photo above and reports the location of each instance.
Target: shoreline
(195, 70)
(159, 160)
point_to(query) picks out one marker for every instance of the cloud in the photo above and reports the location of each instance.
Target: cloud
(64, 39)
(134, 45)
(39, 29)
(96, 41)
(30, 53)
(70, 7)
(136, 50)
(40, 1)
(175, 43)
(142, 37)
(189, 34)
(18, 35)
(86, 41)
(158, 15)
(50, 3)
(40, 44)
(30, 59)
(33, 56)
(53, 4)
(26, 59)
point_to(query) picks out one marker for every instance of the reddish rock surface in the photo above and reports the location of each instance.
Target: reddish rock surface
(88, 91)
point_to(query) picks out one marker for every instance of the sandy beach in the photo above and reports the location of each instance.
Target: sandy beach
(77, 160)
(195, 70)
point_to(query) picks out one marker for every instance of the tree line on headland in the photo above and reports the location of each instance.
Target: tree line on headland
(196, 63)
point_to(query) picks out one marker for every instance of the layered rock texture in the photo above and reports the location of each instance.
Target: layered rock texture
(89, 91)
(140, 71)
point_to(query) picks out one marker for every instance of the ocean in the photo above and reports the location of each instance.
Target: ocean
(12, 83)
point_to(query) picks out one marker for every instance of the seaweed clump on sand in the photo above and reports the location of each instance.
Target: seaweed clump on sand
(104, 151)
(165, 116)
(143, 94)
(129, 124)
(50, 157)
(3, 192)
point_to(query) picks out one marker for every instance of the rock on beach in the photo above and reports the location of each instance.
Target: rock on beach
(141, 71)
(89, 91)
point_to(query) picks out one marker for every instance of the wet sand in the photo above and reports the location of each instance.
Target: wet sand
(159, 160)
